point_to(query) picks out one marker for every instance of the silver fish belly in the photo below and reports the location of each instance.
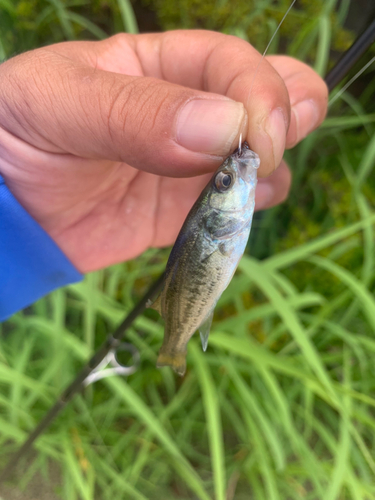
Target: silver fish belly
(206, 254)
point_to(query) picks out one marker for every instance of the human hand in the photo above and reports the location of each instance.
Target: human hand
(102, 142)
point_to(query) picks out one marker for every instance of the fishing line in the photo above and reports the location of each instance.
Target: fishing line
(114, 341)
(357, 75)
(269, 43)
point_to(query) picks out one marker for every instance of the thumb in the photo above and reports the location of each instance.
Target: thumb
(64, 106)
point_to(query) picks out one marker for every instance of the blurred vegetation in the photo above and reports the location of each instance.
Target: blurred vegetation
(254, 21)
(27, 24)
(282, 405)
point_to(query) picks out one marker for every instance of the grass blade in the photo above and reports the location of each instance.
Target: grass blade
(214, 429)
(323, 45)
(303, 251)
(343, 449)
(145, 415)
(255, 272)
(87, 25)
(367, 163)
(128, 16)
(359, 290)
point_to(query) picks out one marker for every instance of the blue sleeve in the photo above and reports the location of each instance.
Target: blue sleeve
(31, 264)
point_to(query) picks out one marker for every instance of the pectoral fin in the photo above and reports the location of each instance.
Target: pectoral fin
(204, 330)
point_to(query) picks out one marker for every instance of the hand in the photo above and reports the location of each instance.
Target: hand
(95, 137)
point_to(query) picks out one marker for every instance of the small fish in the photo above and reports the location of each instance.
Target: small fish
(206, 254)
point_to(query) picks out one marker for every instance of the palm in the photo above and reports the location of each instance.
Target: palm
(101, 212)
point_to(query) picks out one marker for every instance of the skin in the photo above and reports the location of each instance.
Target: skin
(88, 138)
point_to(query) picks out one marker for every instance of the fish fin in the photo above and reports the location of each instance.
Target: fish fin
(177, 361)
(204, 330)
(156, 304)
(208, 254)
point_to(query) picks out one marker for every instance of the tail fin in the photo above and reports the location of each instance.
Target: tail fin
(177, 361)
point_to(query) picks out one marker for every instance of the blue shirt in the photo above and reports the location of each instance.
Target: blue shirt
(31, 264)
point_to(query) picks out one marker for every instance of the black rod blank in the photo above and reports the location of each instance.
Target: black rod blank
(350, 57)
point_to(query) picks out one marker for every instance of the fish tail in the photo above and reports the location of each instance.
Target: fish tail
(176, 360)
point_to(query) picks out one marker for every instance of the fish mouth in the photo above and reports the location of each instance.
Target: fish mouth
(249, 157)
(244, 153)
(247, 162)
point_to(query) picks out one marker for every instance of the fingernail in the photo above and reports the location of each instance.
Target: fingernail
(276, 129)
(306, 116)
(210, 126)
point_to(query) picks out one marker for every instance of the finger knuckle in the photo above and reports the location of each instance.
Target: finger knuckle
(120, 39)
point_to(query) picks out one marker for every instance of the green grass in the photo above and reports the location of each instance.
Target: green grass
(282, 405)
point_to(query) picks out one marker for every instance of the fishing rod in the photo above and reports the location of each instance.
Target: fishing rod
(114, 341)
(350, 57)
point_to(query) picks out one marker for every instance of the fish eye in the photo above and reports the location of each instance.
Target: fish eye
(223, 181)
